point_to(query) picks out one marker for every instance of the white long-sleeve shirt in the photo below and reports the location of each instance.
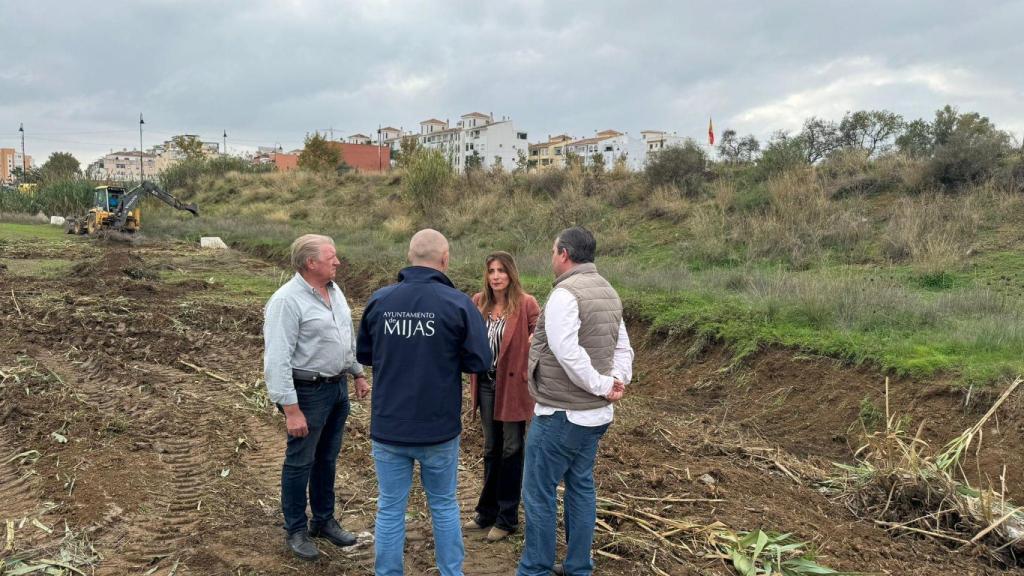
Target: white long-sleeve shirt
(562, 325)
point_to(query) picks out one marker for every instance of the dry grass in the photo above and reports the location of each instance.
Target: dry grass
(801, 223)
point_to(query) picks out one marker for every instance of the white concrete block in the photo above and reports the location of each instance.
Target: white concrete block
(212, 242)
(57, 220)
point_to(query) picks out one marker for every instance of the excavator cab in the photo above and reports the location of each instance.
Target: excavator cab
(108, 198)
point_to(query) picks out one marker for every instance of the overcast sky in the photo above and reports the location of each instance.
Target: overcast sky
(78, 73)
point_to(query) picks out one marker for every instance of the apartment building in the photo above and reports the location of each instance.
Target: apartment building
(655, 140)
(124, 166)
(613, 146)
(476, 138)
(10, 159)
(168, 154)
(550, 154)
(437, 135)
(359, 139)
(496, 144)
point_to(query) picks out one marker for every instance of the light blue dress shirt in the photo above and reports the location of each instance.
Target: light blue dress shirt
(300, 330)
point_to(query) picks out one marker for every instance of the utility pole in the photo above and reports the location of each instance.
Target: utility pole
(141, 122)
(380, 167)
(225, 142)
(24, 159)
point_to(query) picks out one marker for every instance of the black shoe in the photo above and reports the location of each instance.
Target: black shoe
(300, 545)
(333, 532)
(558, 570)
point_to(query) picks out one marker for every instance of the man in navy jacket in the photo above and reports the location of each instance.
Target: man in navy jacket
(420, 335)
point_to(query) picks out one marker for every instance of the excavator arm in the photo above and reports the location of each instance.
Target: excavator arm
(131, 200)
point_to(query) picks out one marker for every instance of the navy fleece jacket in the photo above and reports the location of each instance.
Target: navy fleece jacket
(420, 335)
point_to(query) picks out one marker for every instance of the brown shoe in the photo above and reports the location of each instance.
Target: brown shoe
(497, 534)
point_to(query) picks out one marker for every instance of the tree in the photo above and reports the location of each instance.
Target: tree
(522, 162)
(782, 153)
(735, 150)
(944, 125)
(917, 139)
(60, 166)
(819, 137)
(190, 146)
(871, 130)
(597, 163)
(474, 162)
(32, 176)
(679, 166)
(407, 146)
(318, 155)
(967, 148)
(573, 159)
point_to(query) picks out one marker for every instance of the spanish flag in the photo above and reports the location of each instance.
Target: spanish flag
(711, 132)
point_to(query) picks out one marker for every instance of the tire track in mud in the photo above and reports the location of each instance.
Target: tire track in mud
(148, 402)
(160, 536)
(21, 503)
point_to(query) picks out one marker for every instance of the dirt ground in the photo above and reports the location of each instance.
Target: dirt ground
(135, 436)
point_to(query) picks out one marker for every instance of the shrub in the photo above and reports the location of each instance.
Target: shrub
(426, 179)
(782, 154)
(547, 182)
(679, 166)
(967, 159)
(1011, 174)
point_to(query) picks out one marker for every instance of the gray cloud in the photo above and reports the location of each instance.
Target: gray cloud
(268, 71)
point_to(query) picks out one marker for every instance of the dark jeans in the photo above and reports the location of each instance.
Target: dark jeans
(310, 461)
(503, 463)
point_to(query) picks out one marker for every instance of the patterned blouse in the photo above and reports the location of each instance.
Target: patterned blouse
(495, 330)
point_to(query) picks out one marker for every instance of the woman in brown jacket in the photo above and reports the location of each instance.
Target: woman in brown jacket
(502, 394)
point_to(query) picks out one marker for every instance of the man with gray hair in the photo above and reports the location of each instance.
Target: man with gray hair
(309, 353)
(580, 362)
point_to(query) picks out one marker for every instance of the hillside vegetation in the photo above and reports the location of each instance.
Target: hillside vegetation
(897, 246)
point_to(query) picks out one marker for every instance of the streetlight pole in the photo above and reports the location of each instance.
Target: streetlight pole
(141, 122)
(24, 159)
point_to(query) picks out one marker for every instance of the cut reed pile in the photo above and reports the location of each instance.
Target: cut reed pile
(898, 484)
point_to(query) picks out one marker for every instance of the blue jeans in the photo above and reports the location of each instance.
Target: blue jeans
(439, 465)
(311, 461)
(557, 450)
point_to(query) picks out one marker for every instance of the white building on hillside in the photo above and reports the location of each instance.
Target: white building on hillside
(655, 140)
(495, 144)
(435, 134)
(613, 146)
(475, 138)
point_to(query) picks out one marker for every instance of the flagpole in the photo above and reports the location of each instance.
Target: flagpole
(141, 122)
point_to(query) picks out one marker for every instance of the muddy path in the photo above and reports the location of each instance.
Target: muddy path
(135, 436)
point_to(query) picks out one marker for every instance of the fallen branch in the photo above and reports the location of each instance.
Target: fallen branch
(202, 370)
(16, 307)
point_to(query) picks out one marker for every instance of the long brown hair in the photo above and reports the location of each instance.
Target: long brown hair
(514, 292)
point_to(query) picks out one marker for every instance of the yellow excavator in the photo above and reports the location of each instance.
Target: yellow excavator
(115, 209)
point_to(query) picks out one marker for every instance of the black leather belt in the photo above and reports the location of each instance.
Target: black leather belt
(305, 378)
